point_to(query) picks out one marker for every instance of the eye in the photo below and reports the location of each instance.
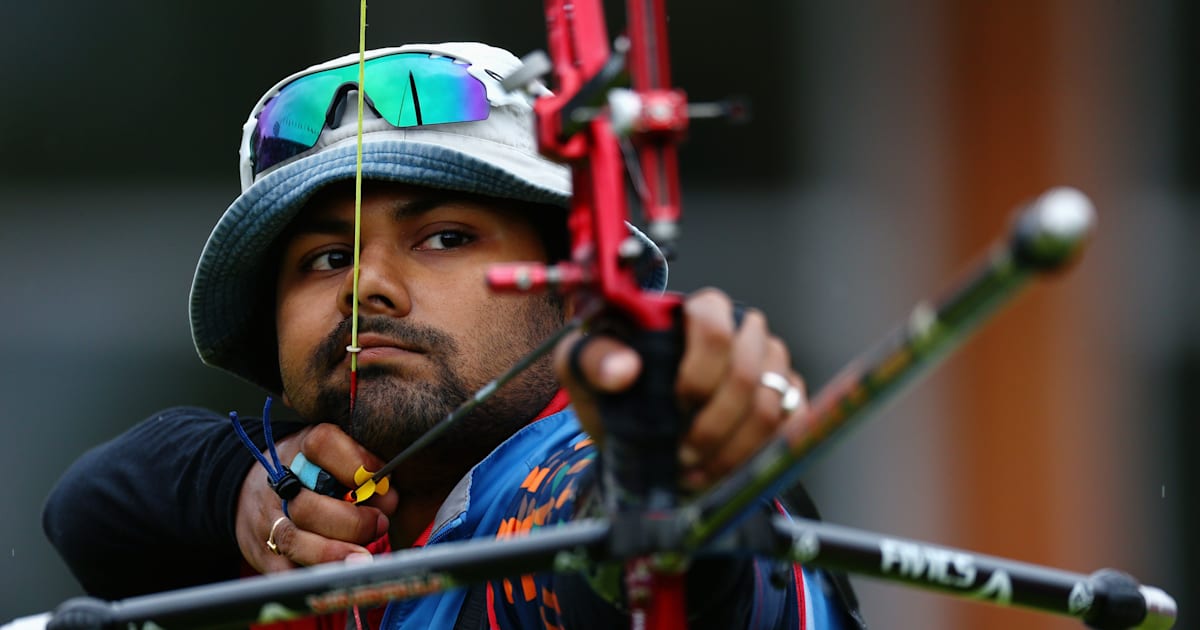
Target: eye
(446, 239)
(329, 260)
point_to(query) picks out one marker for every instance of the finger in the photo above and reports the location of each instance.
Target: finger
(336, 519)
(734, 396)
(329, 448)
(336, 453)
(272, 563)
(591, 365)
(265, 560)
(766, 417)
(305, 548)
(566, 362)
(709, 331)
(258, 507)
(605, 364)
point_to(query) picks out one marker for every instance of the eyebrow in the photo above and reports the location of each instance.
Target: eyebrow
(421, 205)
(325, 224)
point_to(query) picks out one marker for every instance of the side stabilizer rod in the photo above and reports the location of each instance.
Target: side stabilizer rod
(1106, 600)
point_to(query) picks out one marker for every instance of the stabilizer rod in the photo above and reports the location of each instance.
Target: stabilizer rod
(1106, 599)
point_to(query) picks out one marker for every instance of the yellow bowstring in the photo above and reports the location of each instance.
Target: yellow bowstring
(367, 486)
(358, 177)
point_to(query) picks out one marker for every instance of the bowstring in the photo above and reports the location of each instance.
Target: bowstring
(353, 348)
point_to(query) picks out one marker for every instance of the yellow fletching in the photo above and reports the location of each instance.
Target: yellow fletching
(363, 492)
(362, 475)
(367, 487)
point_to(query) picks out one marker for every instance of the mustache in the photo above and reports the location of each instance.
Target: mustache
(427, 339)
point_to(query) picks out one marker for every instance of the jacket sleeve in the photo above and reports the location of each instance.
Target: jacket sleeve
(154, 509)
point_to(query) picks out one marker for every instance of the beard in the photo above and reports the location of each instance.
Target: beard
(397, 404)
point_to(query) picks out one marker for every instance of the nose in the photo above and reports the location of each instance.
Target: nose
(381, 286)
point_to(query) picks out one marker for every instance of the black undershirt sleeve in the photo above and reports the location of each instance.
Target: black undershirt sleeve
(154, 508)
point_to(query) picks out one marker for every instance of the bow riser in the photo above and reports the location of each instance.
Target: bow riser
(584, 125)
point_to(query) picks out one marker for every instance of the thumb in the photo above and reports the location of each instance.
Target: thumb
(591, 365)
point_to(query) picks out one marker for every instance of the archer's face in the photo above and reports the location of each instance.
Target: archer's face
(430, 330)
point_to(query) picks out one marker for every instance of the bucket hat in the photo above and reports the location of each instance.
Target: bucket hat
(231, 311)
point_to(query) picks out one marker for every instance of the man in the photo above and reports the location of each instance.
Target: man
(454, 185)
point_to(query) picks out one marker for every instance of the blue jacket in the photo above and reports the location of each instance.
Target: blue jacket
(532, 480)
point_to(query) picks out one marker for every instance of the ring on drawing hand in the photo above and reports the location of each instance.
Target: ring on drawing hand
(271, 544)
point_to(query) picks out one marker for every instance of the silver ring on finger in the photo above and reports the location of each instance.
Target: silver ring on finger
(790, 395)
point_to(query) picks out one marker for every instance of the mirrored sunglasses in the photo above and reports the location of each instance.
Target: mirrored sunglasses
(406, 89)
